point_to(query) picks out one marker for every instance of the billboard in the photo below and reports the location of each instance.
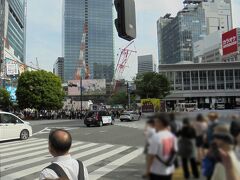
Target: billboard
(150, 105)
(12, 68)
(12, 91)
(89, 87)
(230, 42)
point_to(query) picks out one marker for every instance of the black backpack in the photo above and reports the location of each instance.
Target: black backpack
(61, 174)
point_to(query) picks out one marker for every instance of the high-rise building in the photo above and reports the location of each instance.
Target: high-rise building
(198, 19)
(58, 67)
(12, 29)
(145, 64)
(177, 36)
(96, 18)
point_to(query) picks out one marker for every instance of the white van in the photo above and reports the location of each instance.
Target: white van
(12, 127)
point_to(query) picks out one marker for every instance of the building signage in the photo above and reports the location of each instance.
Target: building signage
(89, 87)
(230, 42)
(12, 69)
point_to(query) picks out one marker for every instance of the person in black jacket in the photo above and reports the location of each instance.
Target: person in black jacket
(187, 149)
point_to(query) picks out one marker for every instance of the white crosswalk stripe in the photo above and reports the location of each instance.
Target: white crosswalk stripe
(132, 124)
(25, 159)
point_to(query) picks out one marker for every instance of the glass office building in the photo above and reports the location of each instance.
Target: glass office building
(14, 28)
(178, 34)
(98, 17)
(2, 8)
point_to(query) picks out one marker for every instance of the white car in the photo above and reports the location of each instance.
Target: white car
(129, 116)
(12, 127)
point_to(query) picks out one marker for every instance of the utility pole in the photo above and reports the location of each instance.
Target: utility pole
(81, 94)
(128, 93)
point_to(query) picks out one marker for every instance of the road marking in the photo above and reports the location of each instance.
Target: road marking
(105, 155)
(39, 132)
(114, 165)
(42, 152)
(38, 168)
(47, 130)
(35, 143)
(37, 159)
(26, 150)
(14, 143)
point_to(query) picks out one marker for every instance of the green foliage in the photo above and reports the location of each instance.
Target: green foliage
(5, 101)
(119, 98)
(152, 85)
(40, 90)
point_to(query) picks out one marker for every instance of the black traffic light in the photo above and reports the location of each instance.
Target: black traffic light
(126, 19)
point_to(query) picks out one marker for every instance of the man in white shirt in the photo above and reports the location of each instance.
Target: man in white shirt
(63, 165)
(161, 149)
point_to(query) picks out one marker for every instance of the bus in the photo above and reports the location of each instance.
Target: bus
(186, 107)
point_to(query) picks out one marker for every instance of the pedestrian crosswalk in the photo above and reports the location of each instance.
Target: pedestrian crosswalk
(132, 124)
(25, 159)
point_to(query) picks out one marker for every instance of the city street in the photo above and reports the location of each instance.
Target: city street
(109, 152)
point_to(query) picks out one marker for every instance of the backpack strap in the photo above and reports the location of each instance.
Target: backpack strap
(80, 171)
(58, 170)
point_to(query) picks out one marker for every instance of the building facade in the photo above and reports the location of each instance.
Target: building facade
(176, 36)
(208, 49)
(96, 17)
(58, 67)
(12, 29)
(179, 34)
(205, 83)
(145, 64)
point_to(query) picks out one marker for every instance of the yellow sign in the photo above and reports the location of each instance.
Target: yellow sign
(150, 105)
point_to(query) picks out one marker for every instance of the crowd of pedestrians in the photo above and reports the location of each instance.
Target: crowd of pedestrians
(209, 146)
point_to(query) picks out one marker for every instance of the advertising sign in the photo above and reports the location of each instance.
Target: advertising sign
(12, 91)
(230, 42)
(150, 105)
(89, 87)
(12, 68)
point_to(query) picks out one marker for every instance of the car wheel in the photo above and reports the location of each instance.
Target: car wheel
(88, 125)
(121, 120)
(100, 124)
(24, 134)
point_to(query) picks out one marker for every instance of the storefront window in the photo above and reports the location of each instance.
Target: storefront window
(186, 80)
(229, 79)
(211, 80)
(203, 80)
(237, 78)
(194, 75)
(178, 81)
(220, 79)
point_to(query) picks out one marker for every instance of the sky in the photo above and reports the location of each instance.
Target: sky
(44, 31)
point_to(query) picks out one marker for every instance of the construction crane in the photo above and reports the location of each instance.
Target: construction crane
(121, 64)
(82, 62)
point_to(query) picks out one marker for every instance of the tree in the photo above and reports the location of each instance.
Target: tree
(5, 101)
(119, 98)
(152, 85)
(40, 90)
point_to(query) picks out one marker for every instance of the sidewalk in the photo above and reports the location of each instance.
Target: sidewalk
(178, 175)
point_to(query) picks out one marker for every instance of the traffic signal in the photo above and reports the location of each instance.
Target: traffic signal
(126, 19)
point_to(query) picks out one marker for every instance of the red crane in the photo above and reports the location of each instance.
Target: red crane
(121, 65)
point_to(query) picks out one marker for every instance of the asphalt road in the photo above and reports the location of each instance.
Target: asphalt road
(110, 152)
